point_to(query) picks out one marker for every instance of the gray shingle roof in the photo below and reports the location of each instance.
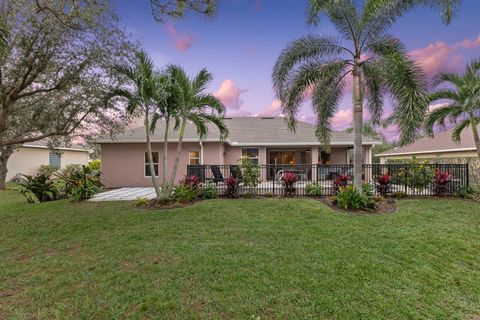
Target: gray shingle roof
(44, 143)
(244, 131)
(441, 142)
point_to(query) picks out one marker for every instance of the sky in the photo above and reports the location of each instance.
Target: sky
(240, 47)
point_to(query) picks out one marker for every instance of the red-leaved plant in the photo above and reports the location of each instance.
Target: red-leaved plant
(190, 181)
(232, 186)
(441, 181)
(341, 181)
(383, 184)
(289, 179)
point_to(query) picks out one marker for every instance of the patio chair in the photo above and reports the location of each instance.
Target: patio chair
(236, 172)
(217, 174)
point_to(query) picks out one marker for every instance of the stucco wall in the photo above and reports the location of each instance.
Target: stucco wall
(27, 160)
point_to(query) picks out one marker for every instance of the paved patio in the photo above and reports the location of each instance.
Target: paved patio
(125, 194)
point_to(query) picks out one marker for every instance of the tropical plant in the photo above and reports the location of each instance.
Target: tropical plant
(320, 64)
(460, 102)
(417, 175)
(251, 173)
(95, 164)
(232, 186)
(349, 198)
(367, 189)
(441, 181)
(288, 180)
(467, 192)
(313, 189)
(82, 183)
(185, 193)
(190, 181)
(38, 188)
(208, 191)
(399, 194)
(383, 184)
(141, 202)
(146, 91)
(342, 180)
(47, 170)
(193, 105)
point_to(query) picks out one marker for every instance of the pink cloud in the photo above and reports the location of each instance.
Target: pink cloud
(181, 41)
(442, 57)
(257, 6)
(230, 94)
(273, 109)
(342, 119)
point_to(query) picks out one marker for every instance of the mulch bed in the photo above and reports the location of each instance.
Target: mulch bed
(154, 205)
(386, 206)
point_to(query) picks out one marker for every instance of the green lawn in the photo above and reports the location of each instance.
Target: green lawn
(238, 259)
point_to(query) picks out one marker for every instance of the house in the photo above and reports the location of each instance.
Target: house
(28, 158)
(265, 140)
(439, 148)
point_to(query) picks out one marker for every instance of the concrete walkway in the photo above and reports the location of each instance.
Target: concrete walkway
(125, 194)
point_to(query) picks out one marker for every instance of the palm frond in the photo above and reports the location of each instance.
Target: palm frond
(308, 48)
(374, 86)
(208, 101)
(133, 101)
(457, 131)
(202, 80)
(452, 78)
(219, 122)
(443, 94)
(439, 116)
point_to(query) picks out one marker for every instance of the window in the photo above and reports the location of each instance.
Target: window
(251, 154)
(54, 159)
(194, 157)
(155, 164)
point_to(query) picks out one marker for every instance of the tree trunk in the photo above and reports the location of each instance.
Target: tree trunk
(165, 184)
(357, 131)
(5, 153)
(473, 124)
(150, 157)
(179, 151)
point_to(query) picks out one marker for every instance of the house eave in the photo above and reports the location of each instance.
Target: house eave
(241, 144)
(424, 152)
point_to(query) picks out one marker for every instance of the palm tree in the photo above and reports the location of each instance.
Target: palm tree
(463, 107)
(146, 92)
(195, 106)
(378, 63)
(368, 130)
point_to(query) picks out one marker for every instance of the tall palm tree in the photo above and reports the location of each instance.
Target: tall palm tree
(377, 62)
(147, 90)
(195, 106)
(462, 93)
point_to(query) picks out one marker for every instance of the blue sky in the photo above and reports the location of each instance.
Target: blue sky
(241, 45)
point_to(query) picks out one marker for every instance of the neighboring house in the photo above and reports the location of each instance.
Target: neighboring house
(264, 140)
(28, 158)
(439, 147)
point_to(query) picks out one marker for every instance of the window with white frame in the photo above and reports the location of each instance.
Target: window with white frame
(194, 157)
(54, 159)
(155, 164)
(251, 154)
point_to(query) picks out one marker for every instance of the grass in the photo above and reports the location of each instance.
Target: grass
(238, 259)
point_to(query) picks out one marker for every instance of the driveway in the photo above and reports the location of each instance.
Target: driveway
(125, 194)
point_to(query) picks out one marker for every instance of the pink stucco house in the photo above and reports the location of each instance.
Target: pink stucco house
(265, 140)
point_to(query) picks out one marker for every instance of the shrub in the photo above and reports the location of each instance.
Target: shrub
(349, 198)
(383, 185)
(81, 183)
(289, 179)
(367, 189)
(208, 191)
(232, 187)
(399, 194)
(185, 193)
(441, 181)
(47, 170)
(341, 181)
(38, 188)
(313, 189)
(251, 173)
(190, 181)
(95, 164)
(418, 175)
(467, 192)
(141, 202)
(269, 195)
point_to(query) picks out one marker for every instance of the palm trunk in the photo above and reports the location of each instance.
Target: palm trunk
(5, 153)
(475, 133)
(179, 151)
(150, 157)
(357, 131)
(165, 184)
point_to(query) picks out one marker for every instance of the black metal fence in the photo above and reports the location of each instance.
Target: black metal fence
(417, 179)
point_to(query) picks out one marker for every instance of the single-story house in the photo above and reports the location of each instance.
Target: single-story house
(438, 148)
(265, 140)
(28, 158)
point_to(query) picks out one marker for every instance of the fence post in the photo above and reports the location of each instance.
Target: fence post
(468, 174)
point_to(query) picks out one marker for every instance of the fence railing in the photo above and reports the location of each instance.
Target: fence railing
(411, 179)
